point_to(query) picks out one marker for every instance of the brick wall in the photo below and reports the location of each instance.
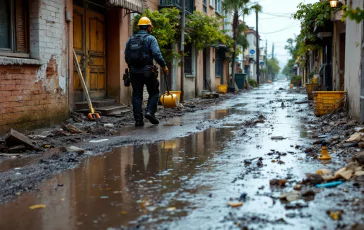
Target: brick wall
(33, 96)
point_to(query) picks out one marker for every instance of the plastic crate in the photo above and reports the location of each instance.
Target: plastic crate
(328, 101)
(310, 88)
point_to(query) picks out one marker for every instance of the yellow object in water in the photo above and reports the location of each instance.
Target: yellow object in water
(169, 100)
(222, 88)
(324, 154)
(291, 86)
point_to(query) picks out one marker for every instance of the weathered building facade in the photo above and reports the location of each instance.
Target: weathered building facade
(38, 83)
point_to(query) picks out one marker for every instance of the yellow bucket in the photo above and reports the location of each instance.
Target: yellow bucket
(169, 100)
(328, 101)
(314, 80)
(178, 93)
(222, 88)
(310, 88)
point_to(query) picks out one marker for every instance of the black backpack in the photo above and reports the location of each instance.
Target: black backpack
(137, 57)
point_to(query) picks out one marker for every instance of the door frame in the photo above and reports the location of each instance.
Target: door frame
(78, 95)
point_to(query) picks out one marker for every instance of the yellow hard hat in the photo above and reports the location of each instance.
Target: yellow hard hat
(144, 21)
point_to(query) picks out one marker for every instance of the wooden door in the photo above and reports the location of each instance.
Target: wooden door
(89, 44)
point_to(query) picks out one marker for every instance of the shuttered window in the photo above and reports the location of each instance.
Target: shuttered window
(14, 36)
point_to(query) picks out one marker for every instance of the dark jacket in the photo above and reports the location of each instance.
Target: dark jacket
(151, 48)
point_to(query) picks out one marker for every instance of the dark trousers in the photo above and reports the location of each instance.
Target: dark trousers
(138, 81)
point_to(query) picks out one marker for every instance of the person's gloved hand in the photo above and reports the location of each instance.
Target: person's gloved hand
(165, 70)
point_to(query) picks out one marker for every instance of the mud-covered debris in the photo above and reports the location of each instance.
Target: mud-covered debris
(359, 173)
(359, 158)
(356, 137)
(308, 193)
(361, 145)
(313, 179)
(235, 204)
(335, 215)
(72, 129)
(278, 182)
(73, 149)
(277, 138)
(59, 133)
(243, 196)
(308, 150)
(77, 117)
(290, 196)
(323, 171)
(295, 205)
(108, 125)
(15, 138)
(297, 187)
(17, 149)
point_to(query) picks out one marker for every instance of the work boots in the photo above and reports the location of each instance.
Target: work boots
(150, 116)
(139, 123)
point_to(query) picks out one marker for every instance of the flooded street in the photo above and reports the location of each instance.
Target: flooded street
(194, 166)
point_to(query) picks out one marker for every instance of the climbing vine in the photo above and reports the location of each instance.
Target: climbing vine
(311, 17)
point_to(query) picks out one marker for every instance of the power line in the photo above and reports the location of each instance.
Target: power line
(282, 29)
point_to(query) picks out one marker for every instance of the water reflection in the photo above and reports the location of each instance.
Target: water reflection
(116, 188)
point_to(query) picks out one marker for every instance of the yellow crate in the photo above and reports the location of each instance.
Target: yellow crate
(222, 88)
(328, 101)
(310, 88)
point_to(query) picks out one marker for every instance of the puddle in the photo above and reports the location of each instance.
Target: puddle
(113, 189)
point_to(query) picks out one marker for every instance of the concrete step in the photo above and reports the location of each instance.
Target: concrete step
(82, 105)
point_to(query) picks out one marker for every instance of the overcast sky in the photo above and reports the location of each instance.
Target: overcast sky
(276, 25)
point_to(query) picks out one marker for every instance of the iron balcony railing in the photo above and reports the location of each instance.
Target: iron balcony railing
(190, 4)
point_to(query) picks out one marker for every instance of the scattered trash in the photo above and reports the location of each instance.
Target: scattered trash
(17, 149)
(356, 137)
(323, 171)
(243, 197)
(235, 204)
(170, 209)
(15, 138)
(335, 215)
(277, 182)
(73, 149)
(290, 196)
(72, 129)
(359, 158)
(109, 125)
(297, 187)
(329, 185)
(37, 206)
(324, 152)
(104, 197)
(277, 138)
(98, 141)
(313, 179)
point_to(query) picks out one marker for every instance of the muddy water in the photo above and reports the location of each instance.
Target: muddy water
(186, 182)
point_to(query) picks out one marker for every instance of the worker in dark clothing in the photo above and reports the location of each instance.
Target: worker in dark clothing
(140, 51)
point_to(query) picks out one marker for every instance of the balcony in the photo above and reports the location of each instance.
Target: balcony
(190, 4)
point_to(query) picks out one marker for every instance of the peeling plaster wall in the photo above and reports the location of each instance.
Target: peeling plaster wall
(34, 91)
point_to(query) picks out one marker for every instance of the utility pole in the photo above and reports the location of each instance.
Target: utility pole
(182, 50)
(273, 51)
(257, 46)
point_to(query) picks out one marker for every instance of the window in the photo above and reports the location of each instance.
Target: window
(205, 6)
(189, 59)
(218, 6)
(13, 26)
(212, 3)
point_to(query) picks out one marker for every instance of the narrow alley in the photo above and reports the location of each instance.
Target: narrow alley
(194, 167)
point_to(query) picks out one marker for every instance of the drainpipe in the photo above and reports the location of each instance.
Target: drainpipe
(68, 20)
(183, 49)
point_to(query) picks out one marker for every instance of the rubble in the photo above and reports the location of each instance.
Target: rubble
(15, 138)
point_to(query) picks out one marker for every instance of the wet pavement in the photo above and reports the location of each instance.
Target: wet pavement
(195, 164)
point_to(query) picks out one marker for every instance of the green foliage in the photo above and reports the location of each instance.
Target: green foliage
(353, 14)
(252, 82)
(273, 66)
(204, 30)
(166, 27)
(296, 80)
(311, 16)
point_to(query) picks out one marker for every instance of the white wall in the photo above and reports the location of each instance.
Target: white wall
(353, 62)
